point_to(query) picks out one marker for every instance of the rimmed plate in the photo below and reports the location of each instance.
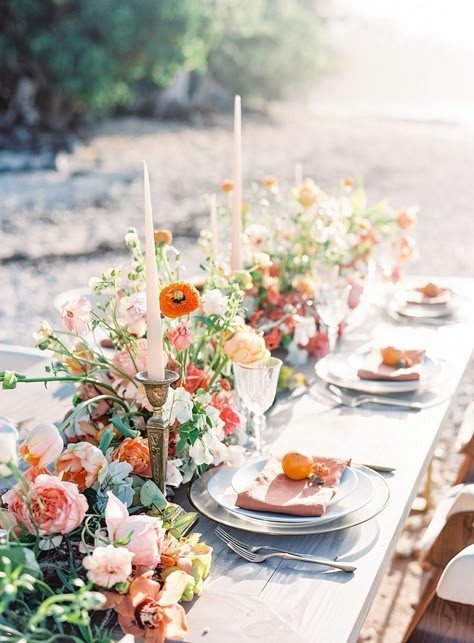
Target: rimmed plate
(341, 369)
(400, 305)
(221, 491)
(202, 502)
(249, 471)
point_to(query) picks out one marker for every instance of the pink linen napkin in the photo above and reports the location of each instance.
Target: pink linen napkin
(271, 490)
(375, 369)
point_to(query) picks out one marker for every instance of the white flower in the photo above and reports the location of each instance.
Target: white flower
(131, 238)
(232, 455)
(262, 260)
(180, 405)
(257, 233)
(8, 442)
(305, 329)
(214, 302)
(43, 335)
(173, 474)
(95, 284)
(296, 356)
(200, 454)
(217, 424)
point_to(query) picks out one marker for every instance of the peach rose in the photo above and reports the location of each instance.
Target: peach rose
(135, 451)
(246, 347)
(42, 445)
(50, 506)
(145, 533)
(108, 565)
(80, 463)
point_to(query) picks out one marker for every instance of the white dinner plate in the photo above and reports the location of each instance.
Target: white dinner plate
(400, 305)
(341, 369)
(221, 491)
(249, 472)
(202, 502)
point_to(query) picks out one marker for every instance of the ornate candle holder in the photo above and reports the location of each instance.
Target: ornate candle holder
(157, 431)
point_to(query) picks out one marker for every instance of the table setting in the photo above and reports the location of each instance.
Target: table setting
(273, 402)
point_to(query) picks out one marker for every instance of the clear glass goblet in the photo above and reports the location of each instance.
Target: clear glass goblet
(256, 385)
(332, 301)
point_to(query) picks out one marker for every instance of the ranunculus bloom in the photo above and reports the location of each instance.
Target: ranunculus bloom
(214, 302)
(131, 361)
(179, 298)
(42, 445)
(246, 347)
(80, 463)
(135, 451)
(227, 185)
(406, 217)
(151, 611)
(195, 378)
(269, 181)
(50, 506)
(146, 533)
(77, 315)
(180, 335)
(109, 565)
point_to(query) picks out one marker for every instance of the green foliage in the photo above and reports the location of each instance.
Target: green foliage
(266, 47)
(88, 52)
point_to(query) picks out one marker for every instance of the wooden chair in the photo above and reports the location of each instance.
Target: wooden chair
(449, 615)
(450, 531)
(465, 446)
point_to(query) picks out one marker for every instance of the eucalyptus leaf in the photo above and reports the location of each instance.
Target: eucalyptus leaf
(152, 496)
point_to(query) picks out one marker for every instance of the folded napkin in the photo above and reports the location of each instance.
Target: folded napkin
(271, 490)
(375, 369)
(419, 296)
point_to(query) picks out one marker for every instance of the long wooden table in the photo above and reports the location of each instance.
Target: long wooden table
(292, 601)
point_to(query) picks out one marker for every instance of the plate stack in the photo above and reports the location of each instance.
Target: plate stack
(362, 494)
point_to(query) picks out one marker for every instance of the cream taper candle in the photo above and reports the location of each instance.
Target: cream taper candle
(154, 333)
(236, 256)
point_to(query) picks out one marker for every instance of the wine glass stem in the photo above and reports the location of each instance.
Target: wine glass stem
(332, 336)
(259, 423)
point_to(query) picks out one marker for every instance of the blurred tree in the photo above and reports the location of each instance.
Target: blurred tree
(266, 47)
(80, 54)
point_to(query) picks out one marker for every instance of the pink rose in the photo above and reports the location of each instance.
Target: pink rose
(77, 315)
(130, 361)
(50, 506)
(146, 533)
(180, 335)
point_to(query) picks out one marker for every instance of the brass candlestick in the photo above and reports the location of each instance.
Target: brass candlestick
(157, 431)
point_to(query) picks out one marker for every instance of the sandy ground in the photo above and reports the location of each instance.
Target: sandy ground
(60, 228)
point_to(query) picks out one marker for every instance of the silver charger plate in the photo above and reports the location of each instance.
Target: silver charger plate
(203, 503)
(341, 369)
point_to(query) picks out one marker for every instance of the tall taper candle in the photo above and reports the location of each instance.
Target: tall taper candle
(213, 226)
(236, 257)
(155, 362)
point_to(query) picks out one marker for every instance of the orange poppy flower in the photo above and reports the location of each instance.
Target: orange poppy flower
(179, 298)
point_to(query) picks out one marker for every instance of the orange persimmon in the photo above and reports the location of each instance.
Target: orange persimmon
(179, 298)
(392, 356)
(431, 290)
(297, 465)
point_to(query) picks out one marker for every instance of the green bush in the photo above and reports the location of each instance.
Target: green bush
(87, 53)
(266, 48)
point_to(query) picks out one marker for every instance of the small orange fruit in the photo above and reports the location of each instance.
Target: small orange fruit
(392, 356)
(297, 465)
(431, 290)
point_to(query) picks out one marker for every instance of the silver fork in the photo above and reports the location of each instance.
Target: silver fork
(354, 401)
(251, 554)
